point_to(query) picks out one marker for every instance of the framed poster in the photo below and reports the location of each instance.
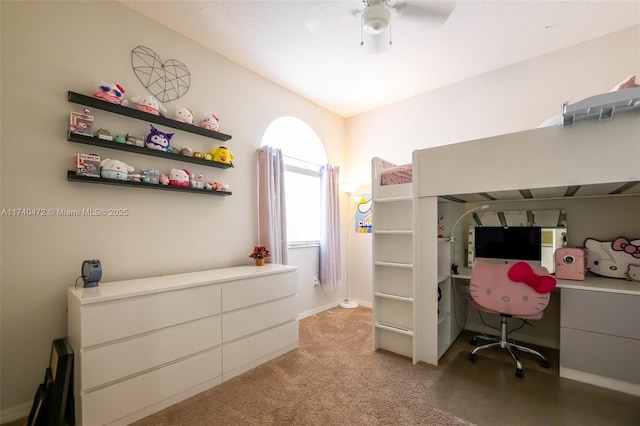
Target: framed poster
(364, 218)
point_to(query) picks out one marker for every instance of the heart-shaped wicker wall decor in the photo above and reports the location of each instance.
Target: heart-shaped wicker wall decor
(166, 80)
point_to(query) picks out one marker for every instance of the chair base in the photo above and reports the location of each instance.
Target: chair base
(510, 346)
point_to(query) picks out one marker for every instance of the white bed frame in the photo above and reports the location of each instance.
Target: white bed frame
(590, 152)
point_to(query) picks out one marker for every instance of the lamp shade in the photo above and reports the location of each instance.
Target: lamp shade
(375, 18)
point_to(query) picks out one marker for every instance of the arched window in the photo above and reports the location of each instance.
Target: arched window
(304, 155)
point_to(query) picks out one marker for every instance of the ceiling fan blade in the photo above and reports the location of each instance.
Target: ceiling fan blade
(436, 12)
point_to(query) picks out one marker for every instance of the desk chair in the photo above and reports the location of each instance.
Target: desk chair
(517, 290)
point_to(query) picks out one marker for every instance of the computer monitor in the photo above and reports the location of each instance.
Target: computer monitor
(508, 244)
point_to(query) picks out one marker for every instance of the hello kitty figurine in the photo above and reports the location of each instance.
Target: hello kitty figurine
(179, 177)
(184, 115)
(157, 139)
(612, 258)
(210, 122)
(149, 104)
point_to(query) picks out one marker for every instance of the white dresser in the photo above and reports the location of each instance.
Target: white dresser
(142, 345)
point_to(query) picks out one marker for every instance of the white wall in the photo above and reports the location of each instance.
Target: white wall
(507, 100)
(49, 48)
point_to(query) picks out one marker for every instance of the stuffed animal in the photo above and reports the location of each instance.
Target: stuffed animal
(113, 93)
(164, 180)
(210, 122)
(221, 155)
(184, 115)
(612, 258)
(114, 169)
(149, 104)
(179, 177)
(157, 139)
(633, 273)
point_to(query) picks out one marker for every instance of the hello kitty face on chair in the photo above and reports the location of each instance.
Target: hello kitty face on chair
(612, 258)
(633, 274)
(491, 288)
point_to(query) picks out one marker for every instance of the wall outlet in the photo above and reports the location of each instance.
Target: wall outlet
(316, 281)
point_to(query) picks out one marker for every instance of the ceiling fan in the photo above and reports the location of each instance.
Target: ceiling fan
(375, 18)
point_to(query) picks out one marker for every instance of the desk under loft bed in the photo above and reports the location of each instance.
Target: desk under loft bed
(411, 262)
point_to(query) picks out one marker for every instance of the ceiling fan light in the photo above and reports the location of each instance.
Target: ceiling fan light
(375, 19)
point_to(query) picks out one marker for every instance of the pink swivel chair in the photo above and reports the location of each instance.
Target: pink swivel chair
(517, 290)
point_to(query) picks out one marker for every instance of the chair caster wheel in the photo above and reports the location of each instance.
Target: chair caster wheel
(474, 342)
(544, 363)
(519, 373)
(473, 357)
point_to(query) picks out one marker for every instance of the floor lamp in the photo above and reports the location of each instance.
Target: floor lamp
(348, 303)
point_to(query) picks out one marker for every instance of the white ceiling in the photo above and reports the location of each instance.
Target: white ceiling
(328, 66)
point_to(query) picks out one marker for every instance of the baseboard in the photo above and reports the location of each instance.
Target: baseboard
(605, 382)
(16, 412)
(328, 306)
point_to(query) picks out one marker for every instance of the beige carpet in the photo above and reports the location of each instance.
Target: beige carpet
(333, 378)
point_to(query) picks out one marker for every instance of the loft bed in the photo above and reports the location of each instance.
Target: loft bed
(591, 153)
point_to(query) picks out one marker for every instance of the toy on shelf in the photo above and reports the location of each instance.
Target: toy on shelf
(164, 180)
(113, 93)
(216, 186)
(120, 139)
(210, 122)
(187, 152)
(197, 154)
(157, 139)
(151, 176)
(81, 122)
(115, 169)
(134, 177)
(196, 181)
(221, 155)
(104, 134)
(184, 115)
(136, 140)
(179, 177)
(88, 165)
(149, 104)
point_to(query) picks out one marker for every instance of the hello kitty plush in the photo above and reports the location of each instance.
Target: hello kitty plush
(149, 104)
(184, 115)
(179, 177)
(210, 122)
(114, 169)
(157, 139)
(612, 258)
(113, 93)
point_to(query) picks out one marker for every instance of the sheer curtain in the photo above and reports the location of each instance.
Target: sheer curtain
(272, 217)
(330, 265)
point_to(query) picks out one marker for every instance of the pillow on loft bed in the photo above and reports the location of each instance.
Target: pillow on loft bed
(627, 83)
(397, 175)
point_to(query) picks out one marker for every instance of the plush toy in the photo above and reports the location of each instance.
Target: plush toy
(114, 169)
(184, 115)
(113, 93)
(210, 122)
(217, 186)
(164, 179)
(158, 140)
(149, 104)
(633, 273)
(612, 259)
(221, 155)
(179, 177)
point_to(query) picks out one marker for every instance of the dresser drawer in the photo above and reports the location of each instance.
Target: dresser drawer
(242, 355)
(251, 291)
(600, 312)
(105, 364)
(104, 322)
(125, 398)
(600, 354)
(243, 322)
